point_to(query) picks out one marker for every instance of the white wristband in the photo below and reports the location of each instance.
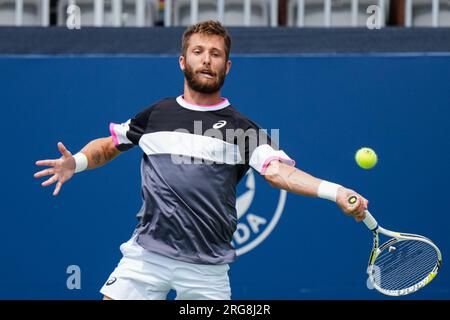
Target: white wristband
(81, 162)
(328, 190)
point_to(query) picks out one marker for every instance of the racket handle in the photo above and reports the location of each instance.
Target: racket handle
(370, 221)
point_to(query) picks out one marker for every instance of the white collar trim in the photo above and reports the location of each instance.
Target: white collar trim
(225, 103)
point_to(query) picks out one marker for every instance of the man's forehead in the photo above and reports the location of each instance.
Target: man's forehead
(207, 40)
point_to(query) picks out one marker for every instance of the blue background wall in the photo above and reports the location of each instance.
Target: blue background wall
(326, 107)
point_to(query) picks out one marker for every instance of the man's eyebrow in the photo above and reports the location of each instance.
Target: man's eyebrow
(201, 46)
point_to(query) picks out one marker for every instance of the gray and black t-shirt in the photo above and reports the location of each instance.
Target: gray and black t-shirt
(194, 156)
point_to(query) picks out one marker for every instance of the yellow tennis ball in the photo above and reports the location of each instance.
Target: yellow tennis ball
(366, 158)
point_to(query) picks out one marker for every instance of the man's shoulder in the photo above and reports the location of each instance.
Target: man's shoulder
(243, 119)
(164, 102)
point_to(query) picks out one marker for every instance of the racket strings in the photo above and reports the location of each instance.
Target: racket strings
(409, 277)
(399, 271)
(404, 264)
(403, 271)
(414, 247)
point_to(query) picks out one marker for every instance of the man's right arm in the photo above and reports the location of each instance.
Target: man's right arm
(95, 154)
(99, 152)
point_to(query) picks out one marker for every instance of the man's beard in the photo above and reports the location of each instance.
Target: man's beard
(203, 87)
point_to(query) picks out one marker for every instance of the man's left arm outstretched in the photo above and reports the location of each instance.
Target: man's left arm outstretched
(291, 179)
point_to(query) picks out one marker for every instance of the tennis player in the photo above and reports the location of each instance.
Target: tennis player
(190, 169)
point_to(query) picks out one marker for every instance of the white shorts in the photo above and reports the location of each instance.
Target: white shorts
(141, 275)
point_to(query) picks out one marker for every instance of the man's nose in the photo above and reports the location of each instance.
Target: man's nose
(207, 59)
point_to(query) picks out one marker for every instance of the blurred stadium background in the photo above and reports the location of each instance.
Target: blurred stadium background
(311, 68)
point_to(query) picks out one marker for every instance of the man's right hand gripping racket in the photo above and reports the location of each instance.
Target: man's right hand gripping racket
(403, 264)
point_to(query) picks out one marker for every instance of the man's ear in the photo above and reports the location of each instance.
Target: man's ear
(228, 67)
(182, 62)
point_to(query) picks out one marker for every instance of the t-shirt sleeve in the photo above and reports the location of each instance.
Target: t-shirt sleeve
(260, 150)
(127, 134)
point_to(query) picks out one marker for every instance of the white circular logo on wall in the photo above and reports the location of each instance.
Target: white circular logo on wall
(253, 228)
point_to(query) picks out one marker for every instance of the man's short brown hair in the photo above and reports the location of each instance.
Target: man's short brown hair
(207, 27)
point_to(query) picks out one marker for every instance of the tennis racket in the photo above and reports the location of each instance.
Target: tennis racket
(403, 264)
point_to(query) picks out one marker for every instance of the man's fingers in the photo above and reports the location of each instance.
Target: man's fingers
(63, 150)
(57, 188)
(50, 181)
(43, 173)
(360, 217)
(356, 206)
(49, 163)
(353, 204)
(360, 214)
(362, 205)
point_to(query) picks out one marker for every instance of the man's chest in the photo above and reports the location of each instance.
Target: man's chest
(216, 124)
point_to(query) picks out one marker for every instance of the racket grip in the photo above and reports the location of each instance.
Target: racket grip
(370, 221)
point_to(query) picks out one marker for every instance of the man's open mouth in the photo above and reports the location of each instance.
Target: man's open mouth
(207, 73)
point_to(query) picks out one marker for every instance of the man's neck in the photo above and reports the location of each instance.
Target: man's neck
(199, 98)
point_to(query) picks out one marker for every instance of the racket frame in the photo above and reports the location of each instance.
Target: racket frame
(397, 237)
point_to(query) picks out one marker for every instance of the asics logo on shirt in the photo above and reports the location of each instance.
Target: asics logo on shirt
(219, 124)
(111, 281)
